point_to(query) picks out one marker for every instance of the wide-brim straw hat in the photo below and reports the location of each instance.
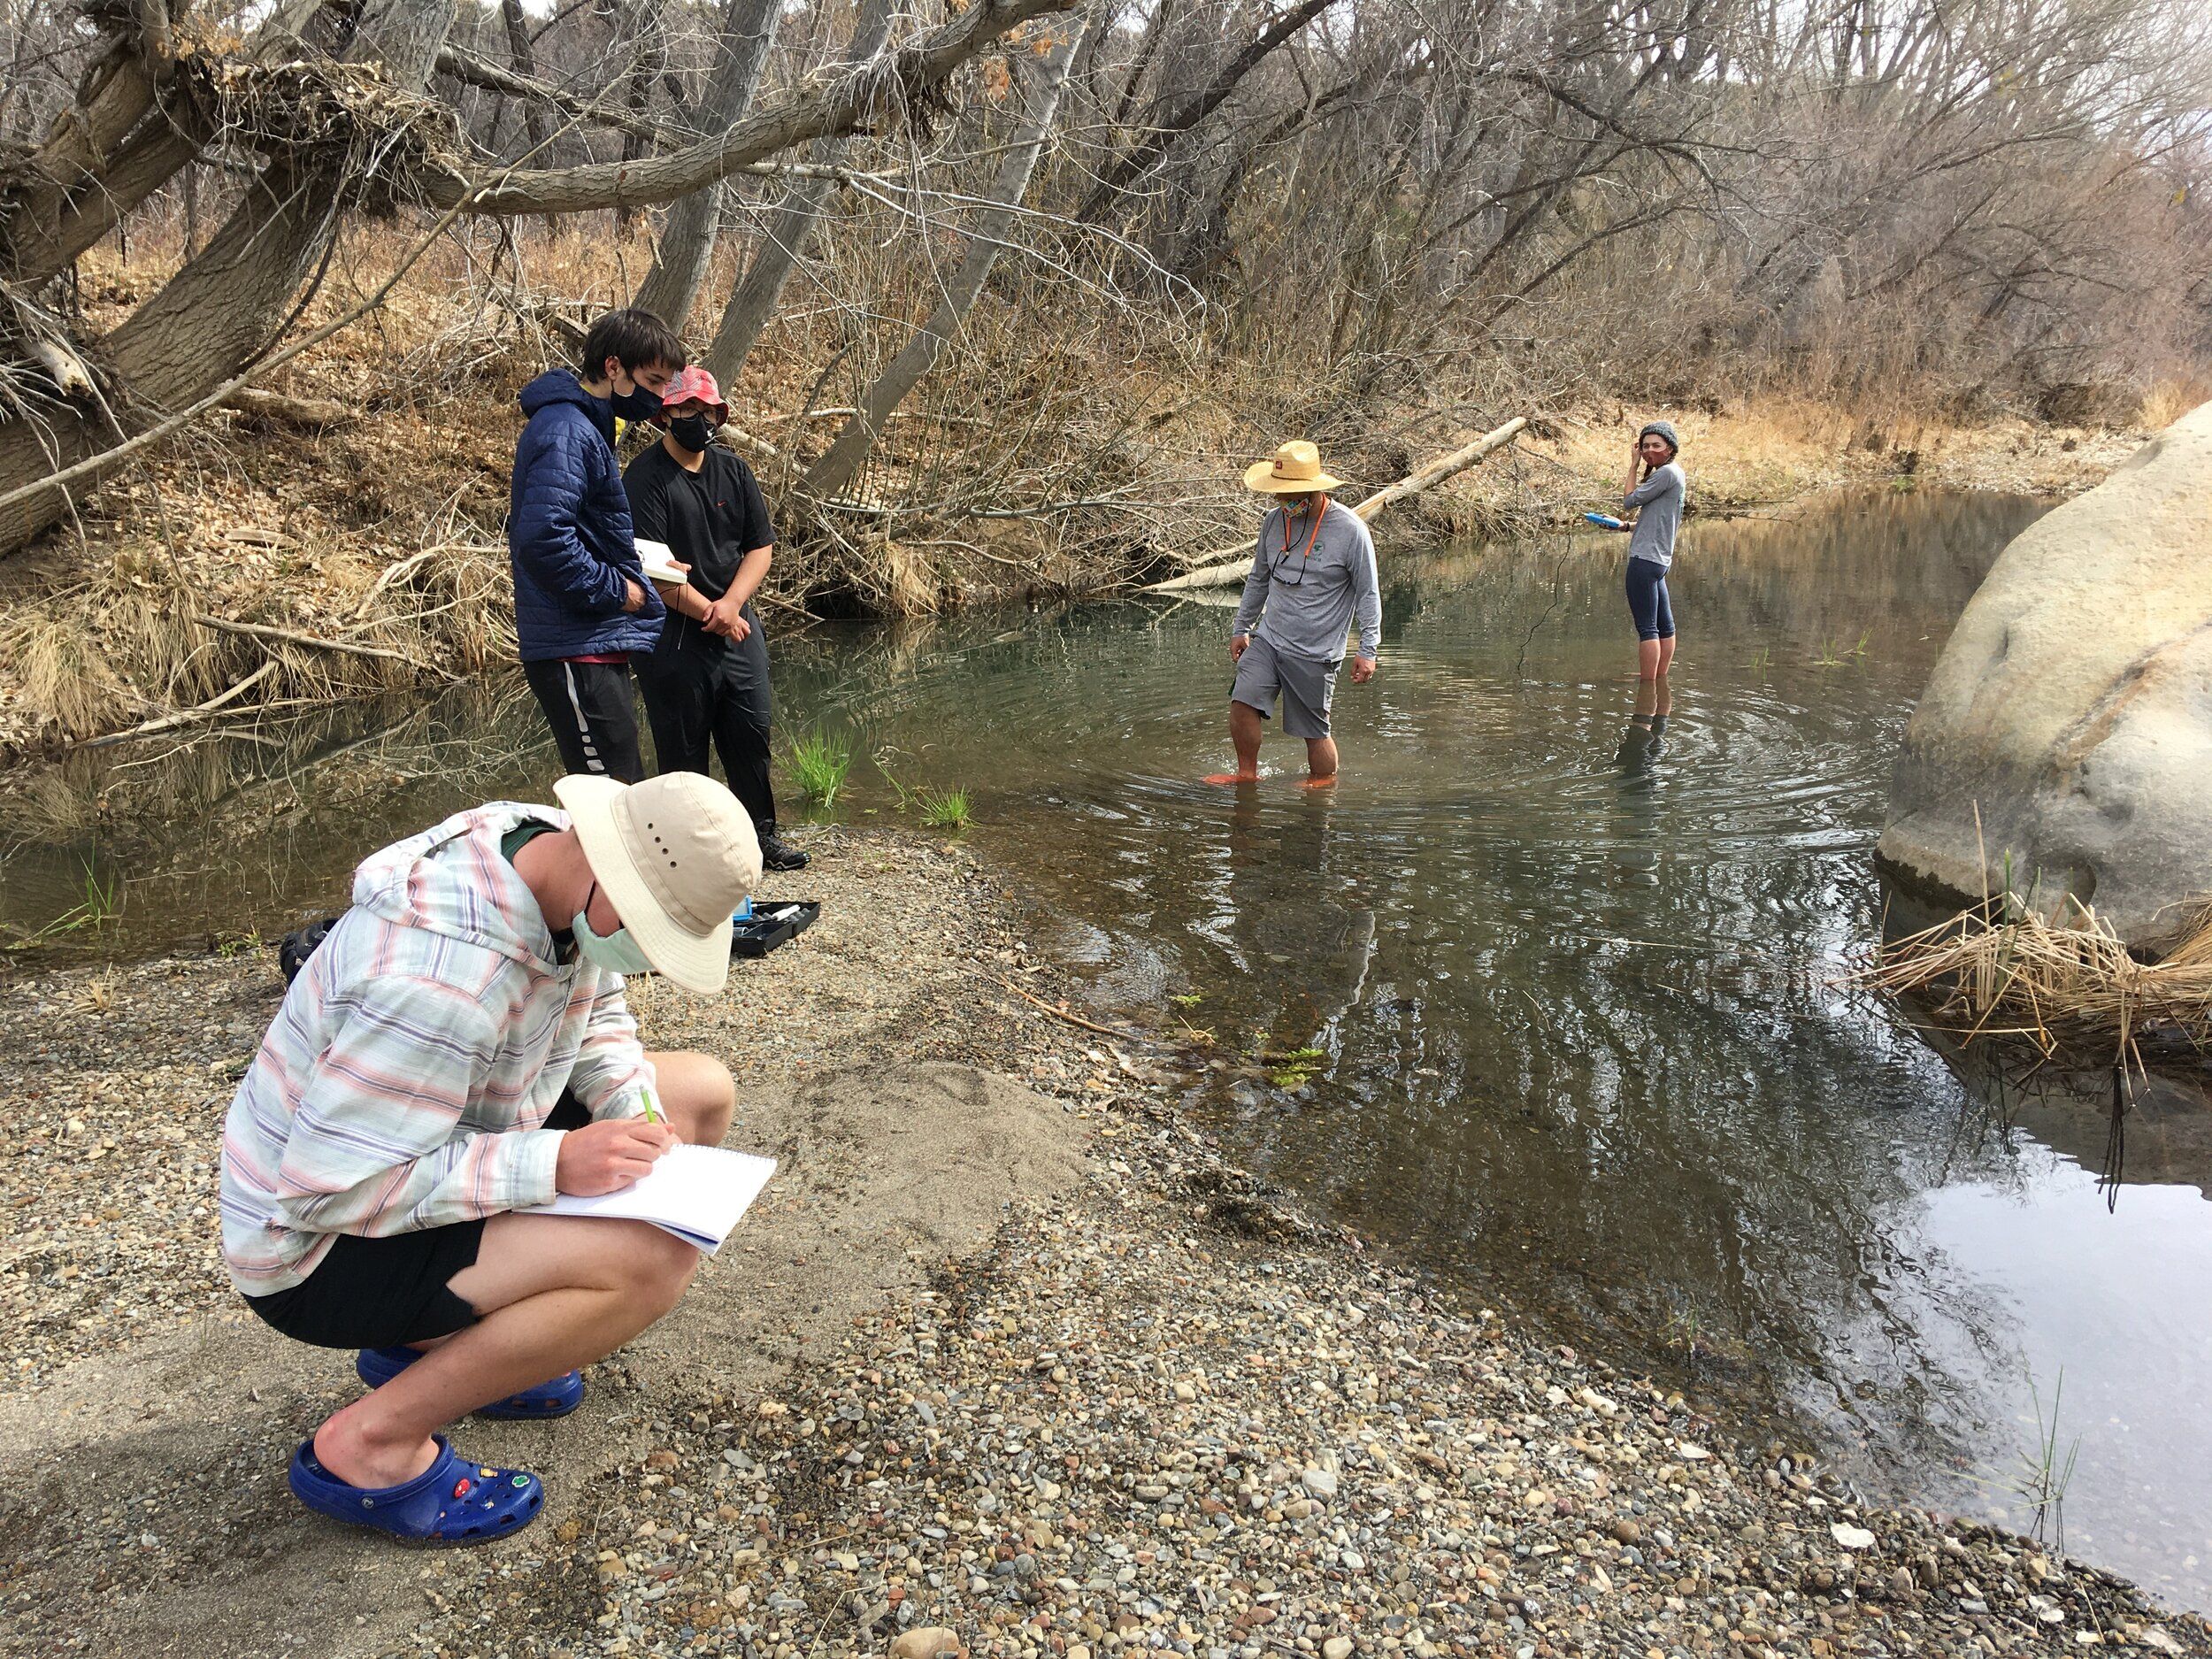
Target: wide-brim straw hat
(1296, 470)
(676, 855)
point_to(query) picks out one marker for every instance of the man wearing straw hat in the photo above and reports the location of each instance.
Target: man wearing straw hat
(1312, 573)
(455, 1054)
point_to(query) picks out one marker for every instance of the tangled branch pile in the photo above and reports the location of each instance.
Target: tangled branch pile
(377, 140)
(2068, 987)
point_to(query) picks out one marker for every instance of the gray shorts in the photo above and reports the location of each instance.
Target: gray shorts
(1264, 673)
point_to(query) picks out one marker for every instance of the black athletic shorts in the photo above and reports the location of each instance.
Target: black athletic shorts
(380, 1293)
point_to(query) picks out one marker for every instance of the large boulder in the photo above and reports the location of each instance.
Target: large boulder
(2065, 742)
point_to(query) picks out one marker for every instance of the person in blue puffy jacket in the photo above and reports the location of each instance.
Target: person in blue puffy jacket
(582, 603)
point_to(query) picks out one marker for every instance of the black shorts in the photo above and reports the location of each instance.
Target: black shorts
(380, 1293)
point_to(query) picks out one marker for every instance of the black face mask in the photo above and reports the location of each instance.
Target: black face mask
(637, 406)
(693, 431)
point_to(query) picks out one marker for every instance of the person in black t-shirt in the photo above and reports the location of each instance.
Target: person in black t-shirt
(706, 683)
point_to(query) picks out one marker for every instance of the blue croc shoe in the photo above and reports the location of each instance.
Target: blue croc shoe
(377, 1366)
(452, 1502)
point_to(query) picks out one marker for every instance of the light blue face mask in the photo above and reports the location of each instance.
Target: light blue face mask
(617, 953)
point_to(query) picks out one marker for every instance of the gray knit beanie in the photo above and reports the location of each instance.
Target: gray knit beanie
(1665, 429)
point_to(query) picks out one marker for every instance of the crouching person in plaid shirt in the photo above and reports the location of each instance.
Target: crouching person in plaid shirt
(454, 1054)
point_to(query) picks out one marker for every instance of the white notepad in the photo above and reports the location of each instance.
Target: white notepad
(695, 1194)
(659, 560)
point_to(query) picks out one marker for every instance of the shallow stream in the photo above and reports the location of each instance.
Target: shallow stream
(1571, 976)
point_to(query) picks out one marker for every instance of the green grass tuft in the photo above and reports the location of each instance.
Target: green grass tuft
(943, 809)
(2044, 1471)
(822, 759)
(100, 905)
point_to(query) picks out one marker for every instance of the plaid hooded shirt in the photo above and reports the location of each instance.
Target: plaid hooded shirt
(405, 1078)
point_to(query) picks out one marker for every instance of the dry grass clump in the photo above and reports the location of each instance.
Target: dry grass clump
(113, 649)
(2168, 400)
(61, 673)
(2006, 971)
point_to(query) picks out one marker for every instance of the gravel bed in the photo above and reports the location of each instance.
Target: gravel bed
(1160, 1412)
(116, 1082)
(1164, 1414)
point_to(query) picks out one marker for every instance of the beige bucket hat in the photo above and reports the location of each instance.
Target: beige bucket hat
(675, 854)
(1296, 470)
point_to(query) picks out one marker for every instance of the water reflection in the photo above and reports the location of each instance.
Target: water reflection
(1645, 738)
(1568, 952)
(246, 831)
(1270, 924)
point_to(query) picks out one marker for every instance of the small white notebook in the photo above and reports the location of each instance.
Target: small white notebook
(659, 560)
(695, 1194)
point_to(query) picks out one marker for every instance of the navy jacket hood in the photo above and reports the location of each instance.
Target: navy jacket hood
(561, 386)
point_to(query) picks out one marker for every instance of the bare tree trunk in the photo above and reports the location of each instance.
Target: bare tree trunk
(526, 63)
(758, 292)
(646, 41)
(837, 468)
(838, 105)
(226, 303)
(113, 148)
(1155, 32)
(115, 95)
(680, 263)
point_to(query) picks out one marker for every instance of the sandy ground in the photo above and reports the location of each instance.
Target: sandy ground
(144, 1429)
(1008, 1349)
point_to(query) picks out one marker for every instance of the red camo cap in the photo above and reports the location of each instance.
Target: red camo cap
(694, 384)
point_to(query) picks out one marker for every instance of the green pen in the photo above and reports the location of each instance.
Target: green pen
(652, 1106)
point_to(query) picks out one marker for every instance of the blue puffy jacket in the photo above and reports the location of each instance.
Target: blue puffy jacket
(568, 530)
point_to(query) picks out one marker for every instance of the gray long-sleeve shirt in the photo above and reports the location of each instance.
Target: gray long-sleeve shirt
(1309, 598)
(1658, 503)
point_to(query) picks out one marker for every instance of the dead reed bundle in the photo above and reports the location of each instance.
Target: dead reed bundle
(2068, 985)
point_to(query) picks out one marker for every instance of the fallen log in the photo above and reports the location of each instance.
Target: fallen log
(1236, 561)
(285, 410)
(209, 710)
(291, 636)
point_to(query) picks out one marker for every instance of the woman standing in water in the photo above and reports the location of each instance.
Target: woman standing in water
(1656, 500)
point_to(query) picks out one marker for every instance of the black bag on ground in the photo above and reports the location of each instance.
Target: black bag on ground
(297, 947)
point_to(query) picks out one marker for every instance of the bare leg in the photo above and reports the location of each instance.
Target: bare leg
(1648, 659)
(1320, 760)
(1666, 655)
(696, 1092)
(556, 1291)
(1244, 732)
(699, 1095)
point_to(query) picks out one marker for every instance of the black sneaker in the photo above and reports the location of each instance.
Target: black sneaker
(778, 853)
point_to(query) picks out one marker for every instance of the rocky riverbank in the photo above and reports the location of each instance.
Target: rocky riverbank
(1008, 1351)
